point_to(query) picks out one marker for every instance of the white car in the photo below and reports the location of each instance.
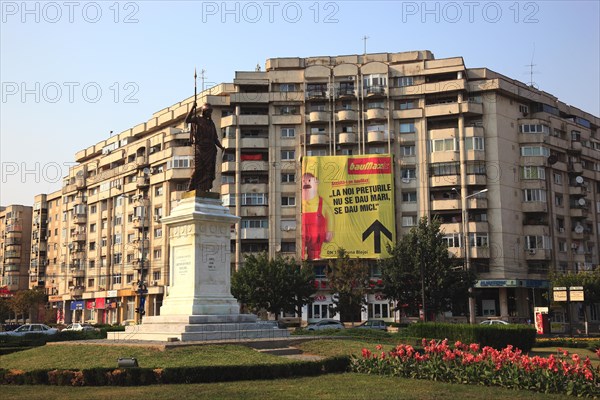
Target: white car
(325, 324)
(31, 328)
(494, 322)
(79, 327)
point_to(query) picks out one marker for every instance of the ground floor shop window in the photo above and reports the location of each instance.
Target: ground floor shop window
(379, 310)
(320, 311)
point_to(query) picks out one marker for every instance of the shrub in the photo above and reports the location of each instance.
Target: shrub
(496, 336)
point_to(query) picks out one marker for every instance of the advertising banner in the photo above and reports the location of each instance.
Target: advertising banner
(347, 202)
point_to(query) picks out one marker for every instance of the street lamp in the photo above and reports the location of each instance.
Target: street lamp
(467, 261)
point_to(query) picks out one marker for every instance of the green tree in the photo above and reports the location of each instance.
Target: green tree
(349, 281)
(276, 285)
(421, 269)
(26, 303)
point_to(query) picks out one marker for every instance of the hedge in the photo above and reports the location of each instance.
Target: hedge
(496, 336)
(149, 376)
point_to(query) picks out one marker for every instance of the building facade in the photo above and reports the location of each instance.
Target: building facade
(15, 247)
(512, 173)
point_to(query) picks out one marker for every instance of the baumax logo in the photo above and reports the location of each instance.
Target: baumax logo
(369, 165)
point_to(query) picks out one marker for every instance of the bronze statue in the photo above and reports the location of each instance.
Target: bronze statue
(205, 141)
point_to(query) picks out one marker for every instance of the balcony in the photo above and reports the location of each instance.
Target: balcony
(252, 165)
(140, 223)
(444, 180)
(375, 90)
(471, 108)
(534, 206)
(446, 204)
(286, 119)
(376, 113)
(576, 146)
(316, 94)
(142, 182)
(476, 179)
(444, 156)
(538, 254)
(318, 116)
(78, 273)
(346, 115)
(578, 212)
(254, 211)
(254, 142)
(575, 167)
(319, 139)
(254, 233)
(253, 120)
(12, 268)
(578, 190)
(227, 188)
(475, 203)
(80, 183)
(379, 136)
(441, 109)
(78, 237)
(474, 131)
(77, 291)
(12, 254)
(347, 138)
(405, 114)
(228, 166)
(80, 219)
(141, 161)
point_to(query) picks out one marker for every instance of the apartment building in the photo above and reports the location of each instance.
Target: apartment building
(15, 246)
(512, 172)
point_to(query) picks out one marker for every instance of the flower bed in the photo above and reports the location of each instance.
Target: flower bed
(470, 364)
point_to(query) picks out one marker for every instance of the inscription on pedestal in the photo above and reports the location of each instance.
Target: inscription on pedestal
(182, 263)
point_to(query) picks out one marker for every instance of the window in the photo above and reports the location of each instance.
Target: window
(442, 169)
(129, 278)
(377, 150)
(288, 155)
(533, 172)
(118, 220)
(575, 136)
(408, 173)
(406, 104)
(452, 240)
(92, 245)
(130, 237)
(288, 225)
(180, 162)
(534, 195)
(288, 132)
(534, 128)
(317, 152)
(117, 238)
(103, 242)
(227, 179)
(287, 87)
(116, 279)
(93, 209)
(538, 242)
(409, 197)
(475, 143)
(157, 232)
(288, 247)
(255, 223)
(409, 220)
(158, 190)
(404, 81)
(156, 275)
(288, 178)
(92, 227)
(288, 110)
(157, 254)
(443, 145)
(407, 127)
(523, 109)
(117, 258)
(562, 246)
(478, 240)
(288, 201)
(557, 177)
(254, 199)
(534, 151)
(558, 200)
(407, 151)
(92, 264)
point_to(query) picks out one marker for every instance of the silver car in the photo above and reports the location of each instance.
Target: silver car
(494, 322)
(31, 328)
(325, 324)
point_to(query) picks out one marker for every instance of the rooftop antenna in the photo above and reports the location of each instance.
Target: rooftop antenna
(111, 133)
(531, 72)
(202, 77)
(364, 38)
(257, 69)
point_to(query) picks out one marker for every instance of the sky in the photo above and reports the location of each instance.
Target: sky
(73, 71)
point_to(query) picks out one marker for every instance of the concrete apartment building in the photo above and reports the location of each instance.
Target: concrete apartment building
(509, 169)
(15, 246)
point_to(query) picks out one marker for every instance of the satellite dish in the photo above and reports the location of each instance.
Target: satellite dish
(80, 173)
(146, 171)
(579, 180)
(578, 228)
(552, 159)
(581, 202)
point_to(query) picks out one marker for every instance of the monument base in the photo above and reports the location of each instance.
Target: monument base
(199, 328)
(198, 305)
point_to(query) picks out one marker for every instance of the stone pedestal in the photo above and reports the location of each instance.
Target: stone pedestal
(198, 304)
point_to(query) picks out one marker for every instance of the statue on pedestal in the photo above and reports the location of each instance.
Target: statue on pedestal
(205, 140)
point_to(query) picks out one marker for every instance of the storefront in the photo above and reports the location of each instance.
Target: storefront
(514, 299)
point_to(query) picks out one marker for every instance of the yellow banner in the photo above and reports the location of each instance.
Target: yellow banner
(347, 202)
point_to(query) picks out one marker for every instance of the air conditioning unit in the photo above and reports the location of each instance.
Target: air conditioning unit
(532, 252)
(287, 228)
(405, 180)
(561, 230)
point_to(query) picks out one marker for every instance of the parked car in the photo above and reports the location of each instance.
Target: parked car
(494, 322)
(325, 324)
(31, 328)
(79, 327)
(373, 324)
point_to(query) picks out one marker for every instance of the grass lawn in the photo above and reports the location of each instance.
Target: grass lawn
(334, 387)
(89, 356)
